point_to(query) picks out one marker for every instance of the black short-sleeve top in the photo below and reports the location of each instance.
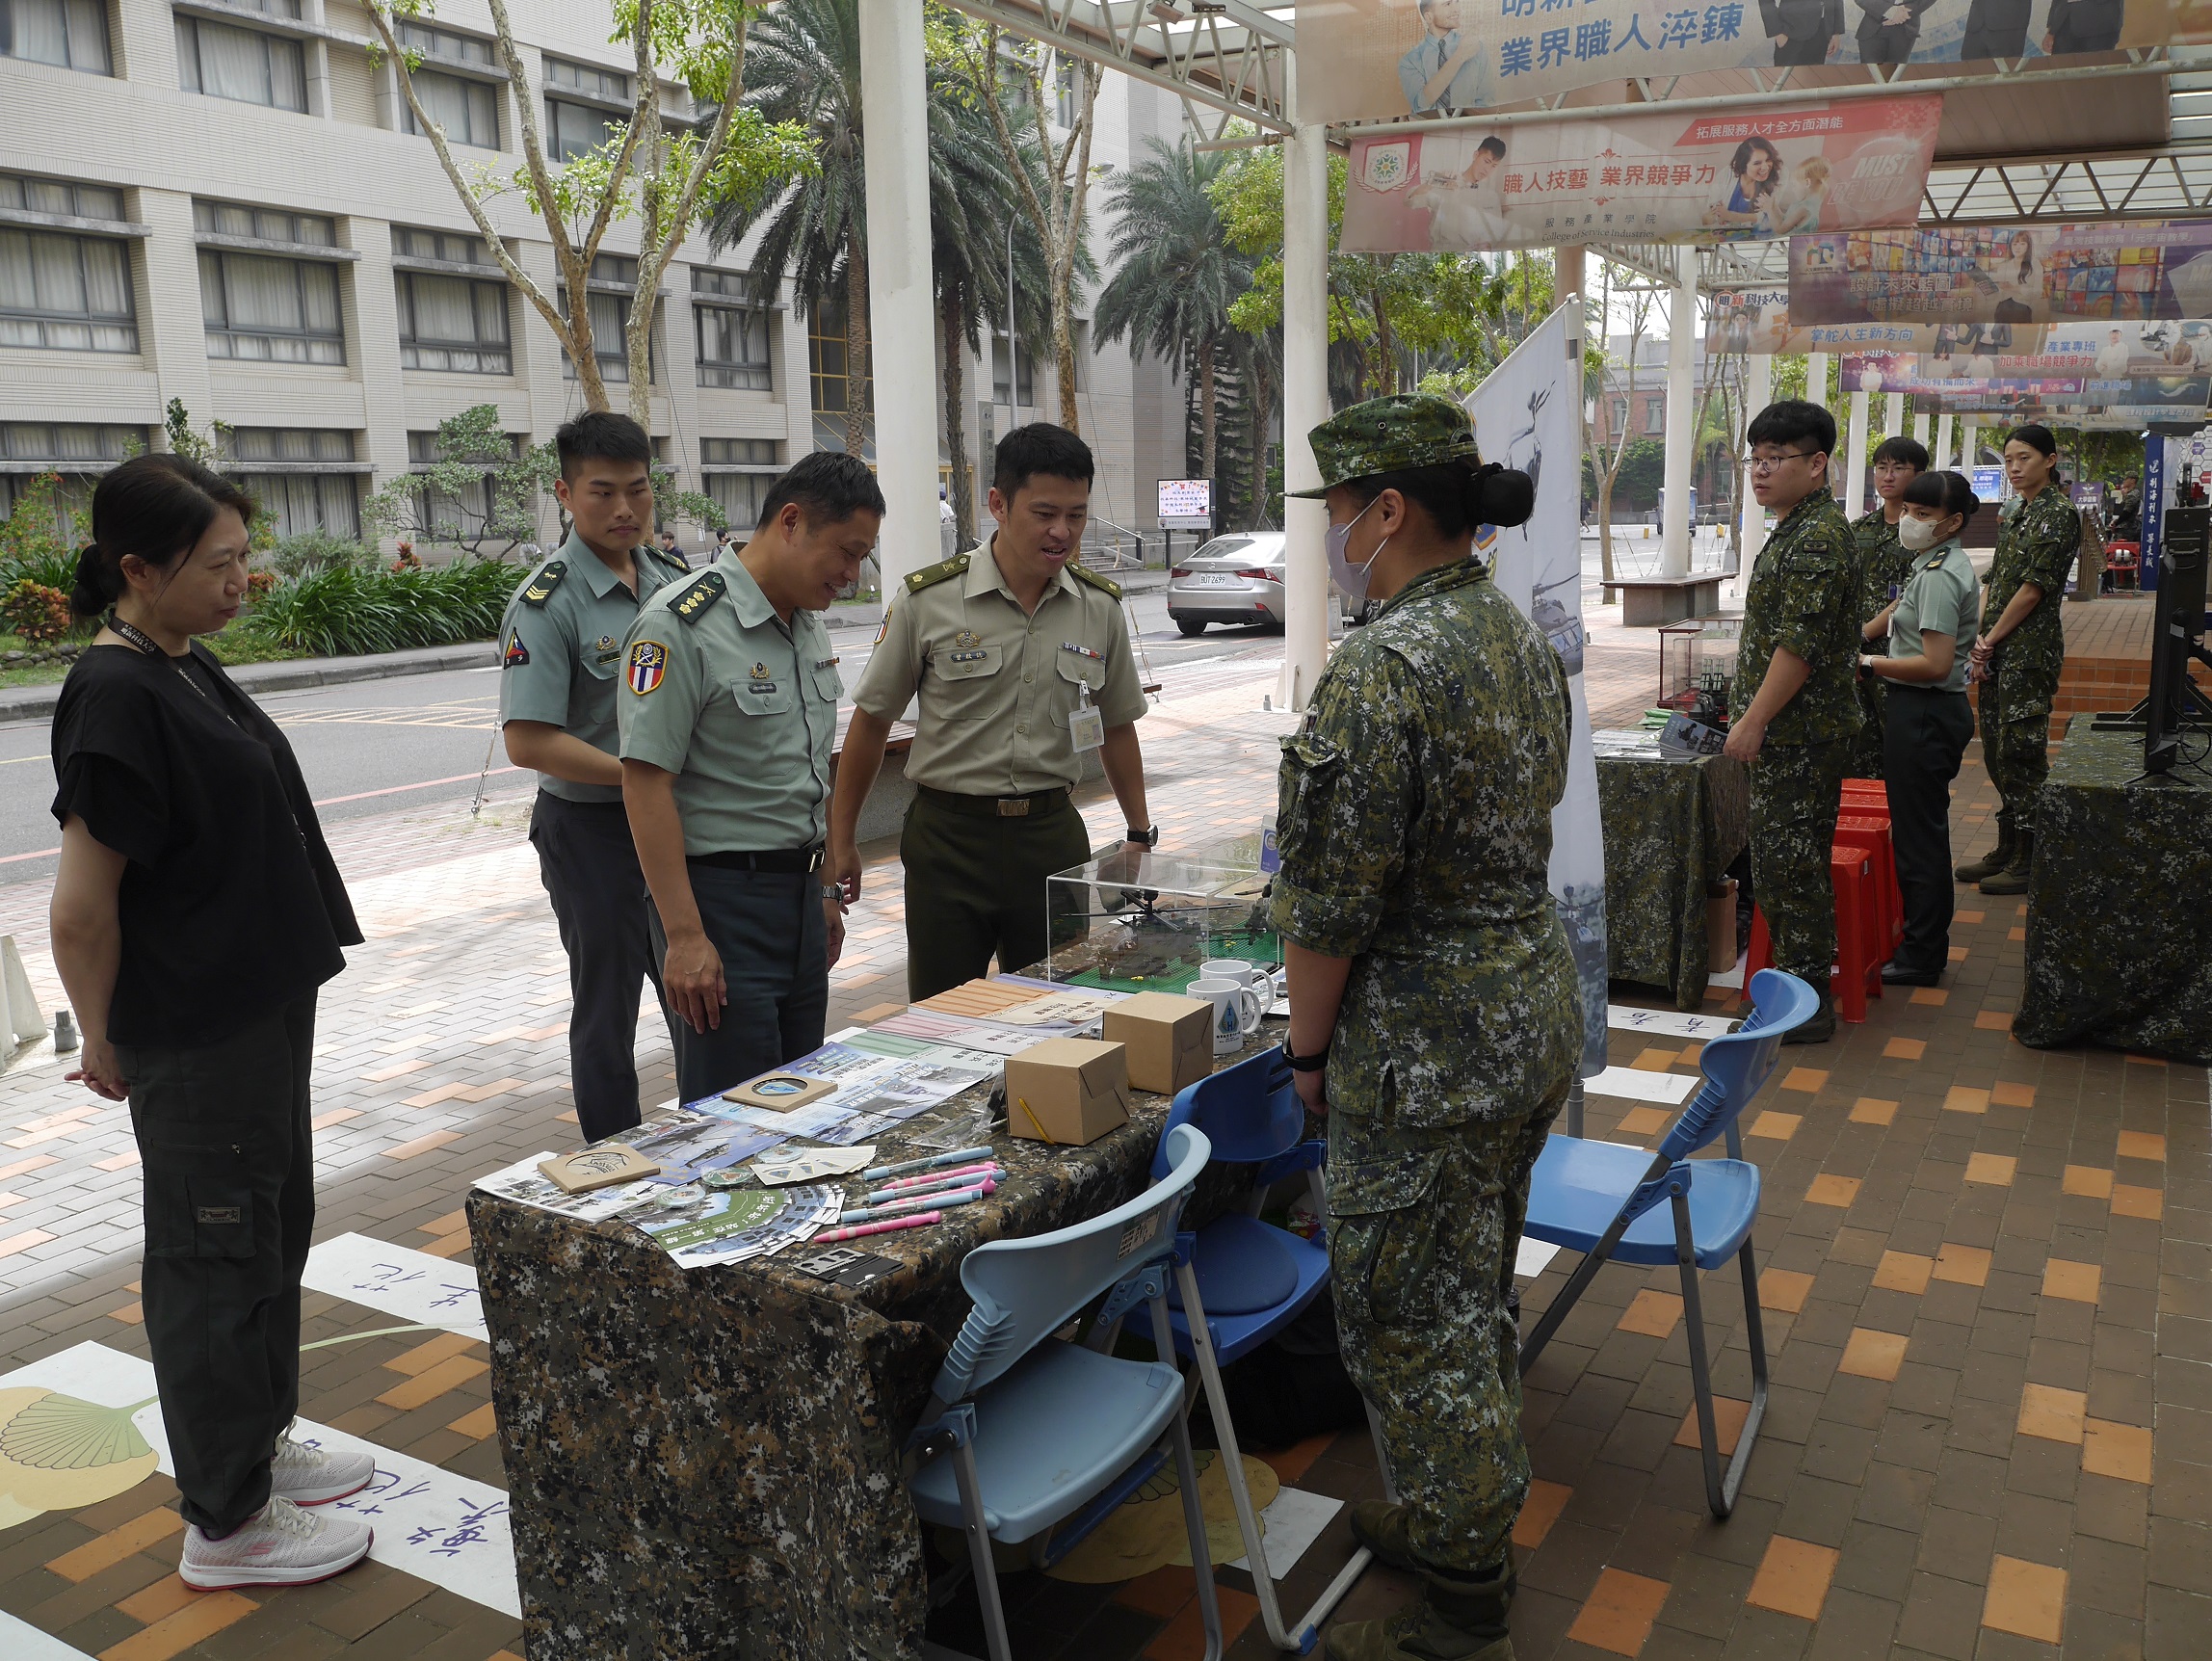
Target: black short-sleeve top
(231, 905)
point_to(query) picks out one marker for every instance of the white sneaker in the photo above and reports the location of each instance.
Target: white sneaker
(316, 1476)
(280, 1546)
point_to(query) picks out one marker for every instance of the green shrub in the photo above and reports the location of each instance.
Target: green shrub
(344, 612)
(307, 552)
(32, 546)
(35, 611)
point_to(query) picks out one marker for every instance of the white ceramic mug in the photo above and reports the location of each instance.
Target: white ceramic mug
(1237, 1012)
(1235, 969)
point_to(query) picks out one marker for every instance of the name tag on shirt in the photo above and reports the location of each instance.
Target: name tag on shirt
(1087, 728)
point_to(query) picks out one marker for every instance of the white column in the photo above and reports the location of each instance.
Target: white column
(1681, 411)
(1920, 429)
(1816, 377)
(902, 312)
(1970, 440)
(1853, 493)
(1942, 458)
(1893, 415)
(1304, 402)
(1758, 393)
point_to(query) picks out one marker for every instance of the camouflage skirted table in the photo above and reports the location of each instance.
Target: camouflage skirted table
(704, 1463)
(2117, 905)
(1672, 827)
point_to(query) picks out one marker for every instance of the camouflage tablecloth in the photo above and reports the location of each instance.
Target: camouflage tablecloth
(1671, 829)
(2117, 903)
(704, 1463)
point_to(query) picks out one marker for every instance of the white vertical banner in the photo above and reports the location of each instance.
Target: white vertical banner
(1528, 415)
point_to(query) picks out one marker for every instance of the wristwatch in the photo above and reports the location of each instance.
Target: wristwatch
(832, 891)
(1148, 837)
(1297, 1063)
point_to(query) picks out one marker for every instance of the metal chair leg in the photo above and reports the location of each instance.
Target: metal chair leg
(1721, 1486)
(978, 1552)
(1187, 1473)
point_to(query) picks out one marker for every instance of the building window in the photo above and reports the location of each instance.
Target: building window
(450, 248)
(1654, 415)
(829, 383)
(445, 43)
(58, 290)
(241, 63)
(610, 314)
(1025, 375)
(573, 128)
(732, 330)
(78, 452)
(316, 489)
(740, 492)
(468, 109)
(263, 310)
(740, 495)
(454, 324)
(71, 34)
(740, 453)
(462, 518)
(264, 225)
(1619, 421)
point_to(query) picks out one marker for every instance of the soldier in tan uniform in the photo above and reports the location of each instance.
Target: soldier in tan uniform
(1020, 660)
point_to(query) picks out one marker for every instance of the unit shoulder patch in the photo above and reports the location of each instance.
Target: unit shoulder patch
(1103, 585)
(516, 654)
(648, 667)
(693, 603)
(944, 570)
(540, 588)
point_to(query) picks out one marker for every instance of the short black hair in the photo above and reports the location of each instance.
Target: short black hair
(1040, 447)
(600, 435)
(1793, 421)
(829, 486)
(1495, 144)
(1910, 451)
(1947, 491)
(2036, 436)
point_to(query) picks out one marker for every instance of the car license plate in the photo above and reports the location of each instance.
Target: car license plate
(1210, 582)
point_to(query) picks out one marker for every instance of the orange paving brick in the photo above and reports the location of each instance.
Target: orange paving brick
(481, 1422)
(130, 1314)
(448, 1245)
(2126, 1202)
(1962, 1265)
(422, 1144)
(1870, 1355)
(1729, 1416)
(1958, 954)
(1185, 1637)
(1872, 1110)
(1653, 1315)
(1965, 1098)
(23, 1242)
(434, 1382)
(398, 1070)
(1993, 1021)
(2076, 1283)
(1904, 1048)
(1967, 916)
(1619, 1615)
(22, 1167)
(1793, 1577)
(2116, 1450)
(2027, 1598)
(424, 1357)
(195, 1624)
(1781, 1126)
(879, 1013)
(148, 1528)
(158, 1601)
(434, 1095)
(1935, 995)
(1655, 1060)
(451, 1222)
(1540, 1511)
(1805, 1078)
(1993, 1168)
(1904, 1272)
(2147, 1059)
(2086, 1180)
(2013, 1094)
(2052, 1414)
(2016, 934)
(1831, 1190)
(2142, 1145)
(123, 1161)
(1784, 1290)
(336, 1116)
(1645, 1120)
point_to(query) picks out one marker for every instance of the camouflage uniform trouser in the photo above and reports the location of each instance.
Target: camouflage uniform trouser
(1796, 792)
(2015, 722)
(1424, 1223)
(1867, 746)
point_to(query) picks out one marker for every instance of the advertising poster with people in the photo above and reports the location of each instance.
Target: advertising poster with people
(2160, 366)
(2132, 271)
(1527, 416)
(1389, 58)
(1650, 178)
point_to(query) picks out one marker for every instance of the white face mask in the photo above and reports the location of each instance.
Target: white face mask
(1350, 578)
(1920, 534)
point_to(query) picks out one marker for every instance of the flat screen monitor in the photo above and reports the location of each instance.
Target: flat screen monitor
(2179, 629)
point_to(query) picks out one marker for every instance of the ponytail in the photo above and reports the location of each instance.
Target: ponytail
(1457, 495)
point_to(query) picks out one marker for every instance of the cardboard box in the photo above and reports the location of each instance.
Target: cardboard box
(1068, 1092)
(1169, 1040)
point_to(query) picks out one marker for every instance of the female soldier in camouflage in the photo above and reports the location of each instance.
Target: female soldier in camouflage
(2017, 661)
(1884, 564)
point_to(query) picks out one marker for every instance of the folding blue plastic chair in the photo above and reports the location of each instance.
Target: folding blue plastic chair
(1023, 1430)
(1604, 1199)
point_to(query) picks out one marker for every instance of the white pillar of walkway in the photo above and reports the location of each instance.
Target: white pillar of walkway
(1970, 440)
(1758, 393)
(1681, 413)
(1893, 415)
(1853, 493)
(902, 309)
(1920, 429)
(1942, 458)
(1816, 377)
(1305, 400)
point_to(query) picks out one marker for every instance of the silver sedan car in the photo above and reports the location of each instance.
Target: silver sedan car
(1233, 579)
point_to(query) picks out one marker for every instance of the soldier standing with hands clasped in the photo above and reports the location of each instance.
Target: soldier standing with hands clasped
(1435, 1012)
(561, 653)
(1793, 709)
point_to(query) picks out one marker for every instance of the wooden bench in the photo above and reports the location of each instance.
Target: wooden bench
(1652, 601)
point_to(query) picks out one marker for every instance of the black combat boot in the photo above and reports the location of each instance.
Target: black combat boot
(1819, 1027)
(1459, 1618)
(1995, 859)
(2014, 877)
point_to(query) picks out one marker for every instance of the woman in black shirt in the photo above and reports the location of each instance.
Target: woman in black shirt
(196, 912)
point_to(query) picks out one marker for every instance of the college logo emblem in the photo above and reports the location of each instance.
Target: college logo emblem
(516, 652)
(1388, 166)
(649, 662)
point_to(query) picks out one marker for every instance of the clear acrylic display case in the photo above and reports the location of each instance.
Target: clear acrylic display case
(1146, 923)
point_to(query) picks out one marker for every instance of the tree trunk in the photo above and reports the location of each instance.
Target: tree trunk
(1605, 523)
(856, 346)
(1207, 405)
(1263, 400)
(1385, 352)
(1064, 354)
(952, 321)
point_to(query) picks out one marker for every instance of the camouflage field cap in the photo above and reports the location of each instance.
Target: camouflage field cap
(1390, 434)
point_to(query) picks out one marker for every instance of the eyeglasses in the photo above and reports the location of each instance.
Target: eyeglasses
(1768, 463)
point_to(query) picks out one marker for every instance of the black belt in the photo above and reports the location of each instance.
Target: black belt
(1923, 686)
(782, 861)
(1037, 802)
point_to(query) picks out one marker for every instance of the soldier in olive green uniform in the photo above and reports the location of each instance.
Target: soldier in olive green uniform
(1432, 978)
(561, 657)
(728, 715)
(2022, 648)
(1793, 709)
(1020, 660)
(1884, 564)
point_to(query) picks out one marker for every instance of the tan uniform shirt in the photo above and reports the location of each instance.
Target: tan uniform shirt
(998, 686)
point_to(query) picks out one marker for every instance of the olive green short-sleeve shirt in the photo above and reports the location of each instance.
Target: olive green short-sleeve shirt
(739, 705)
(561, 650)
(1942, 593)
(996, 685)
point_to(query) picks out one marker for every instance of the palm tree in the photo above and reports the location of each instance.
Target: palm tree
(1175, 273)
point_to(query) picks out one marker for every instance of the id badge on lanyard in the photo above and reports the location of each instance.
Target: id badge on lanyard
(1086, 726)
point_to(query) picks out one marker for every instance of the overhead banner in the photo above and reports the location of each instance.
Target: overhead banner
(1650, 178)
(2156, 366)
(1757, 320)
(1388, 59)
(2145, 270)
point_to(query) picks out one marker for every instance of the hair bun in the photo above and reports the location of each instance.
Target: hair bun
(90, 596)
(1503, 496)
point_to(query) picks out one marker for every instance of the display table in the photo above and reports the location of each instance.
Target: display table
(1672, 827)
(2118, 904)
(705, 1462)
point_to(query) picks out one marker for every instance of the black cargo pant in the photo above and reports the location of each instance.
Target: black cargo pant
(590, 867)
(976, 880)
(769, 930)
(229, 1211)
(1924, 733)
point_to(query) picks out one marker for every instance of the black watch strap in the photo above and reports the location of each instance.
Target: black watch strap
(1148, 837)
(1313, 1062)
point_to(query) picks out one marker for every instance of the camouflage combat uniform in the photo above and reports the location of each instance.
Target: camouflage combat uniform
(2036, 544)
(1884, 564)
(1415, 832)
(1803, 595)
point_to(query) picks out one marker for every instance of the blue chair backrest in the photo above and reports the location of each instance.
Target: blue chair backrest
(1250, 1112)
(1026, 1290)
(1737, 1064)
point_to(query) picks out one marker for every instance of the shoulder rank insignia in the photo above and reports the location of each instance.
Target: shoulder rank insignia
(1934, 565)
(541, 586)
(1104, 585)
(676, 558)
(928, 576)
(692, 604)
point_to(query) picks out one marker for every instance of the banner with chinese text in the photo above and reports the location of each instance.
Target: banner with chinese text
(2140, 271)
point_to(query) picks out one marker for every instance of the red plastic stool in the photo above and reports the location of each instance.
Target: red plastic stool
(1870, 836)
(1856, 974)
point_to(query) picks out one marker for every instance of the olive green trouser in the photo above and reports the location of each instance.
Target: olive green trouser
(976, 888)
(2013, 707)
(1797, 790)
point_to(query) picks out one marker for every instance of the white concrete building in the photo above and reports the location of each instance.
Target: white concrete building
(222, 201)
